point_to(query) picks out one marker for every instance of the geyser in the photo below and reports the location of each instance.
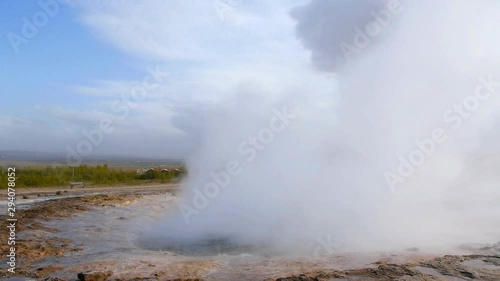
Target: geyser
(334, 172)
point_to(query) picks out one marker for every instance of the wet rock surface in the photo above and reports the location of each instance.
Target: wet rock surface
(41, 247)
(94, 276)
(443, 268)
(37, 242)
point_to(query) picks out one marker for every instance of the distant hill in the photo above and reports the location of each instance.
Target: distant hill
(38, 157)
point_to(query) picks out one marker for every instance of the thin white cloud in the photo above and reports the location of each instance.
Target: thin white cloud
(104, 88)
(187, 29)
(209, 58)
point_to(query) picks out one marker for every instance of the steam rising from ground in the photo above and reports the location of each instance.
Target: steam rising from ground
(334, 172)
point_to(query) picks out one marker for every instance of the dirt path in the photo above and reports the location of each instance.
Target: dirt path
(48, 191)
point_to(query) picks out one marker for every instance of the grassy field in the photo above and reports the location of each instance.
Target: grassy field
(49, 176)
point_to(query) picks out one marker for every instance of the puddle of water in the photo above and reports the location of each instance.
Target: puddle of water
(24, 204)
(28, 203)
(433, 272)
(207, 247)
(111, 236)
(480, 264)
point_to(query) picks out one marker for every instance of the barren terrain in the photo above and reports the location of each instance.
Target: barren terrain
(75, 235)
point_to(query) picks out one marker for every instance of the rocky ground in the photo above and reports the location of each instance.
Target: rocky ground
(471, 267)
(38, 242)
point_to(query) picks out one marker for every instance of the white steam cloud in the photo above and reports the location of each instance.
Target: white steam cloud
(402, 154)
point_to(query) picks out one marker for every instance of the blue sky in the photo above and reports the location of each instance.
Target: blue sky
(89, 54)
(84, 63)
(63, 53)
